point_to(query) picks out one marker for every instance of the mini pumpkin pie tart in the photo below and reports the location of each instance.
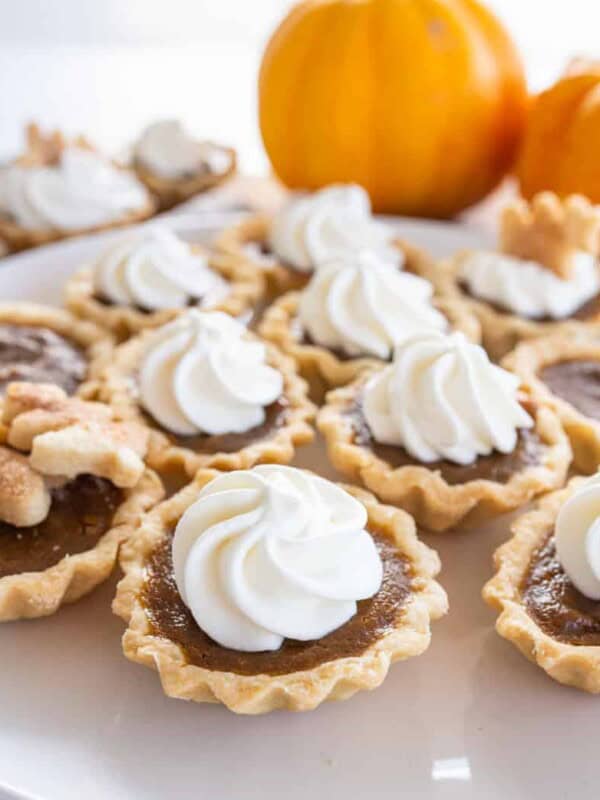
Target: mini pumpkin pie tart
(59, 189)
(42, 344)
(355, 310)
(213, 394)
(274, 588)
(545, 277)
(149, 277)
(443, 433)
(547, 585)
(564, 372)
(308, 231)
(175, 166)
(72, 484)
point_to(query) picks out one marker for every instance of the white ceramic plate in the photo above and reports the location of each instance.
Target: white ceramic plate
(469, 719)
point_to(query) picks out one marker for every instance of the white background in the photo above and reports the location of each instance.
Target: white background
(106, 67)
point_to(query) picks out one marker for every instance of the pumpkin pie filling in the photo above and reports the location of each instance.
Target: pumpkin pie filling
(497, 467)
(577, 382)
(170, 619)
(81, 513)
(39, 355)
(276, 415)
(557, 607)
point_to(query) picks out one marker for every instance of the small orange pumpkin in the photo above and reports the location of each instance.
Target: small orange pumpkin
(561, 147)
(422, 102)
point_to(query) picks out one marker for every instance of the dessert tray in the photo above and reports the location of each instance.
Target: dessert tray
(470, 718)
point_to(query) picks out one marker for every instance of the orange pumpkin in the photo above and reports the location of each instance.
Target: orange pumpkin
(561, 147)
(422, 102)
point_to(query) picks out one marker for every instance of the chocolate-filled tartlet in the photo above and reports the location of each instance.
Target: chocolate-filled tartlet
(419, 434)
(546, 588)
(212, 393)
(41, 344)
(208, 648)
(564, 372)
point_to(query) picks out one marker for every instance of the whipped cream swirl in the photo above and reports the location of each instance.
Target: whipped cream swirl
(527, 288)
(312, 229)
(577, 538)
(442, 398)
(81, 191)
(167, 150)
(201, 374)
(273, 553)
(364, 305)
(156, 270)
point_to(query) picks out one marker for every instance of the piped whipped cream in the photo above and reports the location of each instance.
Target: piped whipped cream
(156, 270)
(166, 149)
(577, 538)
(314, 228)
(202, 374)
(527, 288)
(442, 398)
(81, 191)
(273, 553)
(364, 305)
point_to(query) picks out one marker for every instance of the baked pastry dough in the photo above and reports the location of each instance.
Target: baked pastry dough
(423, 491)
(119, 389)
(280, 325)
(529, 360)
(67, 438)
(46, 149)
(548, 231)
(573, 664)
(297, 691)
(246, 290)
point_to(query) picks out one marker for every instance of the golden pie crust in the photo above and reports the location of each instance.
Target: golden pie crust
(38, 594)
(170, 192)
(232, 243)
(501, 331)
(65, 437)
(247, 289)
(119, 390)
(44, 149)
(574, 665)
(297, 691)
(530, 358)
(280, 325)
(433, 502)
(551, 230)
(96, 342)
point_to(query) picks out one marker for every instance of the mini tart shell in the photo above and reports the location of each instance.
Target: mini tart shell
(531, 357)
(280, 325)
(170, 192)
(120, 391)
(296, 691)
(423, 492)
(232, 241)
(246, 290)
(28, 595)
(96, 342)
(501, 331)
(574, 665)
